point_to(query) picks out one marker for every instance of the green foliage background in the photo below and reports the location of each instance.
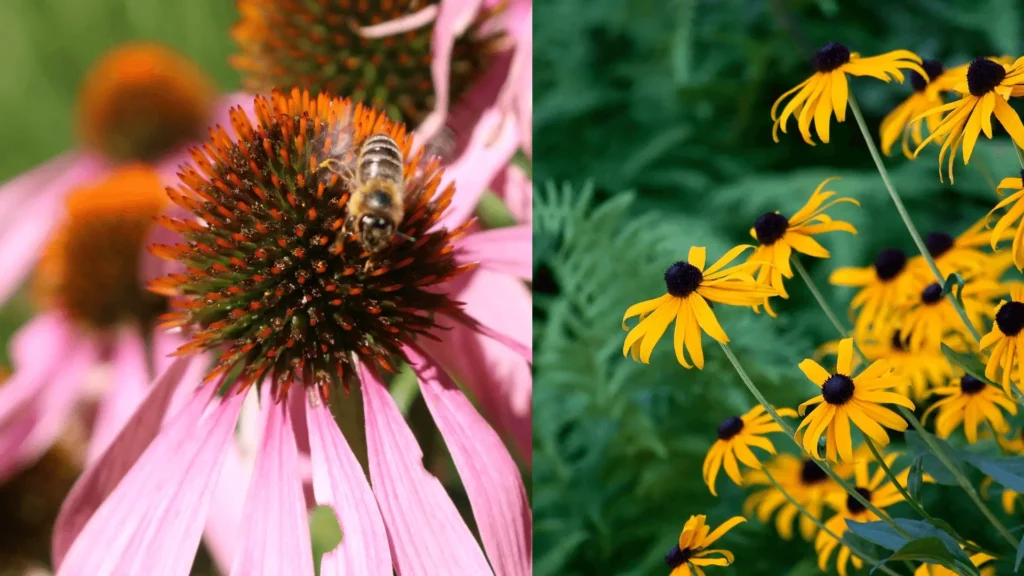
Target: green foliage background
(653, 133)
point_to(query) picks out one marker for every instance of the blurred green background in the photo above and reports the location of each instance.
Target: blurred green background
(652, 132)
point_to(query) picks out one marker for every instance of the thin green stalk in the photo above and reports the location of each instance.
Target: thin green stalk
(792, 436)
(925, 435)
(857, 552)
(903, 491)
(818, 295)
(914, 234)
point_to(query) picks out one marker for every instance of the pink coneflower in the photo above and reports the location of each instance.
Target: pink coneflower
(139, 103)
(300, 313)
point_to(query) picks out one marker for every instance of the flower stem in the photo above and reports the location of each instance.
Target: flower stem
(818, 296)
(903, 491)
(914, 234)
(792, 436)
(863, 555)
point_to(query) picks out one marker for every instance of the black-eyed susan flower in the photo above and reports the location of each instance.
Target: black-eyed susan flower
(963, 254)
(827, 90)
(1005, 341)
(885, 287)
(778, 237)
(876, 489)
(986, 88)
(970, 402)
(978, 559)
(689, 287)
(736, 435)
(928, 91)
(920, 370)
(847, 398)
(1013, 216)
(933, 317)
(803, 480)
(691, 554)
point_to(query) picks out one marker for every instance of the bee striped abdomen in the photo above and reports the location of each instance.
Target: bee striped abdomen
(380, 158)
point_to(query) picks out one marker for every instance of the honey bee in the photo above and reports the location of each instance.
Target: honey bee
(377, 187)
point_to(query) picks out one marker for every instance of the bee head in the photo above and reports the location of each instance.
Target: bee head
(375, 232)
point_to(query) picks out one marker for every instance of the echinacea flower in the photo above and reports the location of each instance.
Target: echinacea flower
(298, 312)
(970, 402)
(778, 237)
(847, 398)
(1013, 216)
(920, 370)
(933, 317)
(827, 91)
(689, 287)
(885, 287)
(876, 489)
(736, 435)
(139, 103)
(803, 480)
(986, 88)
(928, 92)
(977, 559)
(691, 554)
(1007, 346)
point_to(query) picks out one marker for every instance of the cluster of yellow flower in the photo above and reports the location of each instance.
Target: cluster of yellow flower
(911, 314)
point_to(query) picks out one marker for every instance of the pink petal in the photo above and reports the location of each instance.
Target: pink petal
(506, 250)
(402, 24)
(428, 537)
(224, 519)
(99, 480)
(275, 537)
(131, 382)
(516, 189)
(492, 480)
(339, 482)
(26, 227)
(490, 149)
(152, 521)
(31, 429)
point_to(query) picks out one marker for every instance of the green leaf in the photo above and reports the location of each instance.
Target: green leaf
(929, 550)
(1020, 555)
(885, 536)
(951, 281)
(968, 362)
(1006, 471)
(914, 478)
(930, 463)
(324, 530)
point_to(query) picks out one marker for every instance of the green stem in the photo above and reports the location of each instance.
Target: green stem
(903, 491)
(914, 234)
(792, 436)
(863, 555)
(925, 435)
(818, 296)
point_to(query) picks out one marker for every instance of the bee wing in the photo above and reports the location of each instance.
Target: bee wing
(440, 147)
(340, 154)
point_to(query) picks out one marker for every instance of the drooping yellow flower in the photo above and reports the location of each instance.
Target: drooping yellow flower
(692, 554)
(875, 489)
(803, 480)
(977, 559)
(1005, 341)
(928, 92)
(689, 287)
(827, 90)
(921, 370)
(963, 254)
(845, 398)
(933, 317)
(970, 402)
(886, 286)
(1008, 498)
(987, 87)
(778, 237)
(736, 435)
(1013, 216)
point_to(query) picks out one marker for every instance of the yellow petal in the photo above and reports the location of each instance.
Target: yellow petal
(844, 359)
(706, 318)
(727, 258)
(814, 372)
(1010, 121)
(697, 256)
(721, 530)
(643, 308)
(840, 93)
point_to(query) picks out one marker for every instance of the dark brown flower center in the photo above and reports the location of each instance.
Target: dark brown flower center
(931, 67)
(831, 56)
(730, 427)
(838, 389)
(983, 75)
(770, 227)
(1010, 318)
(898, 342)
(889, 263)
(682, 278)
(676, 557)
(938, 243)
(812, 473)
(931, 294)
(853, 505)
(971, 385)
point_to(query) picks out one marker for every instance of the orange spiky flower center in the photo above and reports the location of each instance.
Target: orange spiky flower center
(91, 266)
(318, 45)
(273, 282)
(141, 101)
